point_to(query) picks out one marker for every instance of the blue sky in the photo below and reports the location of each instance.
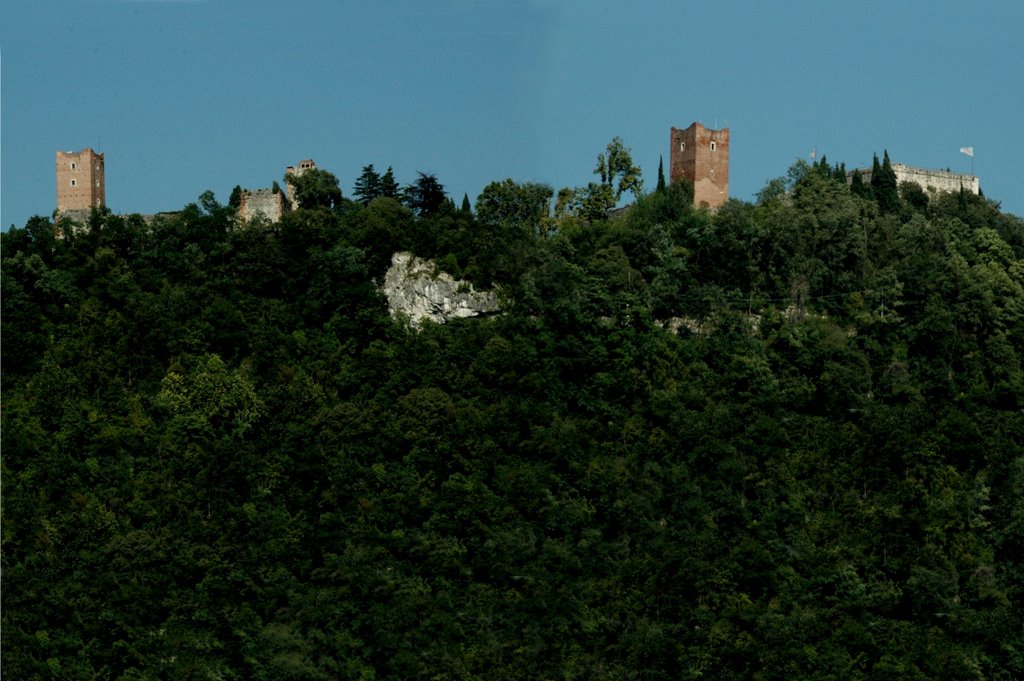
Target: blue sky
(188, 95)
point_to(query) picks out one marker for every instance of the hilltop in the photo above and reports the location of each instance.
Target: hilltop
(224, 458)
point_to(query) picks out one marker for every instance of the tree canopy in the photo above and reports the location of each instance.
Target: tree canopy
(425, 195)
(782, 440)
(314, 188)
(617, 174)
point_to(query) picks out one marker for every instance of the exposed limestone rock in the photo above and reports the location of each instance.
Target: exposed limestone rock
(416, 289)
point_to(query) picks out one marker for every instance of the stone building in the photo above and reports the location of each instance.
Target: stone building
(81, 185)
(270, 203)
(297, 170)
(932, 181)
(701, 155)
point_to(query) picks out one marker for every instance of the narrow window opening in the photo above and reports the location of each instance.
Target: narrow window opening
(712, 146)
(74, 166)
(74, 182)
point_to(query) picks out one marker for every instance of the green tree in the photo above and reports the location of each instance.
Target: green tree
(883, 184)
(367, 186)
(915, 197)
(389, 186)
(661, 176)
(425, 196)
(512, 205)
(617, 171)
(858, 187)
(314, 188)
(617, 174)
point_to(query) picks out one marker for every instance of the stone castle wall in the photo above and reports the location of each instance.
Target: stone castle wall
(932, 181)
(266, 202)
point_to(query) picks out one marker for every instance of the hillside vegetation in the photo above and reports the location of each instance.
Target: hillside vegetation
(784, 440)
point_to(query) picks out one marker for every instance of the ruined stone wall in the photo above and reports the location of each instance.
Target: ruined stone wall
(81, 182)
(701, 155)
(266, 202)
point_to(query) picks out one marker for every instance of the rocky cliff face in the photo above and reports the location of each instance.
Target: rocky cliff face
(414, 288)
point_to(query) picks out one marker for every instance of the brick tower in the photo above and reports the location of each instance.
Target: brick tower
(80, 181)
(701, 155)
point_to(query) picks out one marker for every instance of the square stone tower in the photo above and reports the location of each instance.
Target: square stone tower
(80, 180)
(701, 155)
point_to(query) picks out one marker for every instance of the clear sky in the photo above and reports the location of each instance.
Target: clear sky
(188, 95)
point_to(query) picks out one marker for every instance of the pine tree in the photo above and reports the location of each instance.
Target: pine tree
(426, 195)
(388, 186)
(466, 208)
(661, 176)
(367, 186)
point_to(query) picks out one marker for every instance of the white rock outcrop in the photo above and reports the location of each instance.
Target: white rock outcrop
(415, 288)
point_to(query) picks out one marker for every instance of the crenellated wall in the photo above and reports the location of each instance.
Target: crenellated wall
(81, 182)
(701, 155)
(932, 181)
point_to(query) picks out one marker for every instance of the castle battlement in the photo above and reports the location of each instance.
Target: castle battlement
(932, 181)
(701, 155)
(81, 183)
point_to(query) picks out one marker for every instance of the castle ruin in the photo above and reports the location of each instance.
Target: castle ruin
(272, 203)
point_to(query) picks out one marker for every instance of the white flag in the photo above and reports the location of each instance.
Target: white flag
(967, 150)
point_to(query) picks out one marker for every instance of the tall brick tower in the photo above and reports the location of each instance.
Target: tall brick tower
(701, 155)
(80, 180)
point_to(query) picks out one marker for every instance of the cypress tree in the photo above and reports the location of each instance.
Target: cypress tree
(858, 187)
(661, 175)
(886, 191)
(876, 172)
(466, 208)
(824, 169)
(839, 173)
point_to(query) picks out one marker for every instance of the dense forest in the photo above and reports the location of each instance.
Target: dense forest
(781, 440)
